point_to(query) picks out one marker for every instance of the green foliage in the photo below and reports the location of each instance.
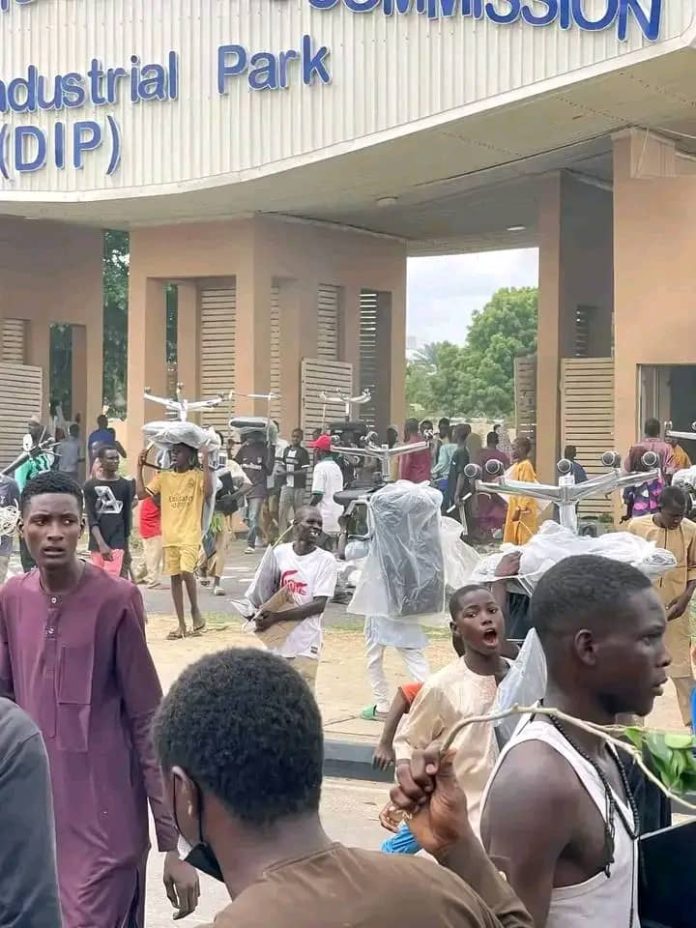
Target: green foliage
(116, 263)
(476, 379)
(671, 754)
(116, 246)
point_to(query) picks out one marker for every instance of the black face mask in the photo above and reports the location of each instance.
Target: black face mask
(199, 855)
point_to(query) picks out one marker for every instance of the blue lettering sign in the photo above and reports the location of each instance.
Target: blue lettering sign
(270, 70)
(567, 13)
(30, 148)
(87, 136)
(6, 5)
(98, 86)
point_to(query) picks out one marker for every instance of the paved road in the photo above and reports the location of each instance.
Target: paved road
(238, 574)
(349, 812)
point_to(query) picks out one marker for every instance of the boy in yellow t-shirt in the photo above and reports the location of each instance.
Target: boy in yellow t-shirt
(182, 493)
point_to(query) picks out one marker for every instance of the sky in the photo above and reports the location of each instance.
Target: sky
(444, 292)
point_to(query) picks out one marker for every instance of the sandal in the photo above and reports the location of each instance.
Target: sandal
(176, 635)
(370, 714)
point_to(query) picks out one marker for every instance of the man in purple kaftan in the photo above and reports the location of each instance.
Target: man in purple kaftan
(73, 655)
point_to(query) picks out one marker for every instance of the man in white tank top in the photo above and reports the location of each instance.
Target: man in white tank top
(559, 818)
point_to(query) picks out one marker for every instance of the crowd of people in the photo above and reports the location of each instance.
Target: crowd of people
(537, 831)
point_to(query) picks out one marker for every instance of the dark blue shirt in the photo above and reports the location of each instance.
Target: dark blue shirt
(578, 471)
(98, 437)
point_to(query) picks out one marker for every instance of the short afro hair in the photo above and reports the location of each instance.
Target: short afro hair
(244, 725)
(458, 595)
(583, 591)
(102, 449)
(675, 496)
(50, 481)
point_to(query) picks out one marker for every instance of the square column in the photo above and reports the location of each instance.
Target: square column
(654, 273)
(295, 331)
(548, 330)
(575, 297)
(39, 355)
(394, 409)
(147, 358)
(253, 339)
(349, 336)
(80, 391)
(188, 338)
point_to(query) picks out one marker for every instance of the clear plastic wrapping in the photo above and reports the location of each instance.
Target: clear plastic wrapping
(404, 574)
(460, 559)
(524, 685)
(166, 434)
(685, 478)
(552, 543)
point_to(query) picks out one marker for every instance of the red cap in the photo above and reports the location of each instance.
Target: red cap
(323, 443)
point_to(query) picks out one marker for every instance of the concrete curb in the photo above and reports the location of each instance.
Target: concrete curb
(352, 760)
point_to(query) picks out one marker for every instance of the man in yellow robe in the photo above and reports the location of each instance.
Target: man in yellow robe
(522, 519)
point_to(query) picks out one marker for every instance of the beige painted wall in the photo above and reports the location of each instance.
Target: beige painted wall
(575, 269)
(655, 270)
(49, 273)
(257, 252)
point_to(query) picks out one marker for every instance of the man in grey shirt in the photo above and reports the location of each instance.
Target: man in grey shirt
(70, 454)
(29, 886)
(9, 496)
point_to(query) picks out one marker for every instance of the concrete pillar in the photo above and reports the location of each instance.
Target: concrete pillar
(188, 338)
(395, 412)
(253, 337)
(298, 341)
(349, 336)
(79, 373)
(383, 381)
(263, 285)
(94, 368)
(548, 328)
(39, 355)
(654, 271)
(147, 347)
(575, 272)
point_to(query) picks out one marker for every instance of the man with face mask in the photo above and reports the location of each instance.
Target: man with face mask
(240, 742)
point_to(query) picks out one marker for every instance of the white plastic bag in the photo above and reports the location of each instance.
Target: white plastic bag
(460, 559)
(524, 685)
(266, 581)
(165, 435)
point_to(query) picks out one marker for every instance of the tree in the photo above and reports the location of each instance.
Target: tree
(116, 265)
(477, 378)
(116, 259)
(505, 329)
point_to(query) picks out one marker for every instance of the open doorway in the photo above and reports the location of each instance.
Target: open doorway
(667, 392)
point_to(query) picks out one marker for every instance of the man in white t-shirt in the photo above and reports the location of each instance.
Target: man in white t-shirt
(308, 573)
(327, 481)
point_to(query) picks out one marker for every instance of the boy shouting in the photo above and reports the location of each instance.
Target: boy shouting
(465, 688)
